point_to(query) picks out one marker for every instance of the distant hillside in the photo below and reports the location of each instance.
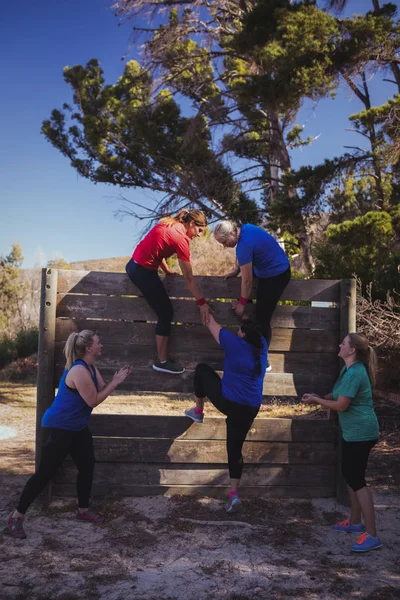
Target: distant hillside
(101, 264)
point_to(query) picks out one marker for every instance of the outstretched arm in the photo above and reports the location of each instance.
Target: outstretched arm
(340, 405)
(193, 287)
(214, 328)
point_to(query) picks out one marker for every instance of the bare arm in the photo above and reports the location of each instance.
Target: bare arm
(247, 280)
(165, 267)
(214, 328)
(190, 281)
(100, 381)
(79, 378)
(234, 273)
(341, 404)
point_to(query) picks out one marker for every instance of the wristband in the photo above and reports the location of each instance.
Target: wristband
(243, 301)
(201, 301)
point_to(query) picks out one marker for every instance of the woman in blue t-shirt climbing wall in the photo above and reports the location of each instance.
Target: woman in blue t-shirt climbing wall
(238, 395)
(351, 398)
(65, 428)
(259, 253)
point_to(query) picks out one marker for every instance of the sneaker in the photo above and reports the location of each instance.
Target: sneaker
(169, 366)
(196, 417)
(233, 504)
(89, 517)
(349, 527)
(366, 542)
(15, 528)
(269, 366)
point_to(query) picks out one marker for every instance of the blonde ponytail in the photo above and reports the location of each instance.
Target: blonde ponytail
(75, 346)
(365, 354)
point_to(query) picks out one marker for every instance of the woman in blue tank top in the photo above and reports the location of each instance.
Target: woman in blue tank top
(66, 431)
(259, 254)
(238, 395)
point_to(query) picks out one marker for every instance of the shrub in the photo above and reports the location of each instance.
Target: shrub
(7, 350)
(26, 342)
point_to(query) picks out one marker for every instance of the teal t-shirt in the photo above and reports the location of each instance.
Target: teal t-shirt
(358, 422)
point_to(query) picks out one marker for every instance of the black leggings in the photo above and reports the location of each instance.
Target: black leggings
(268, 293)
(354, 462)
(58, 444)
(239, 416)
(154, 293)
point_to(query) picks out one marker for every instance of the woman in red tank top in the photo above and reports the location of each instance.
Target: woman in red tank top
(171, 235)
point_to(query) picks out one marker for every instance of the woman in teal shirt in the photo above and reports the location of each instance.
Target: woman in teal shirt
(351, 397)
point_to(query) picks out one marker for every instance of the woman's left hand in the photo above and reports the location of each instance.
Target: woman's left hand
(238, 308)
(310, 399)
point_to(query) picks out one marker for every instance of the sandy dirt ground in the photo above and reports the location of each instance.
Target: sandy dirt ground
(188, 548)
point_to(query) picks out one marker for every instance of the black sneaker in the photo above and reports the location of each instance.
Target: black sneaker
(169, 366)
(15, 528)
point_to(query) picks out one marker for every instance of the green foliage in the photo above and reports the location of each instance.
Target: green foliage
(11, 288)
(366, 247)
(7, 350)
(26, 342)
(58, 263)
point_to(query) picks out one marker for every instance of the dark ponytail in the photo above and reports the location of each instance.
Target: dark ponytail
(253, 336)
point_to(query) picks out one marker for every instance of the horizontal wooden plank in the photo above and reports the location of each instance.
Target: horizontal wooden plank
(68, 490)
(142, 357)
(128, 332)
(213, 428)
(92, 282)
(188, 338)
(275, 384)
(152, 450)
(128, 309)
(153, 475)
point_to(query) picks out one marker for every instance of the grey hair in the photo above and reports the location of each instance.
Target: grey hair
(224, 229)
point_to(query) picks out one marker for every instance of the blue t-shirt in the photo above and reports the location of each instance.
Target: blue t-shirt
(69, 410)
(259, 247)
(241, 382)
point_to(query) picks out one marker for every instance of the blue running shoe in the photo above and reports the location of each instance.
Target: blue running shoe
(234, 504)
(349, 527)
(366, 542)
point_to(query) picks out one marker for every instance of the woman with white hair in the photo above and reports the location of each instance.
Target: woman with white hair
(259, 253)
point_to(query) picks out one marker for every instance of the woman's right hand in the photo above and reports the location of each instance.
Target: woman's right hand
(122, 374)
(231, 274)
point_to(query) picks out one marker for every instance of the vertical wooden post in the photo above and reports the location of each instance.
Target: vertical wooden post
(347, 325)
(45, 380)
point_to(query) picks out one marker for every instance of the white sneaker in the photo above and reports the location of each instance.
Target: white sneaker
(197, 418)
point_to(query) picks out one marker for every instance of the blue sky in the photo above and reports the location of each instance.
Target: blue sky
(44, 205)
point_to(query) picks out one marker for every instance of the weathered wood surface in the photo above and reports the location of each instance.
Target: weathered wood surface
(97, 282)
(275, 384)
(213, 428)
(176, 474)
(272, 491)
(46, 351)
(113, 356)
(122, 308)
(152, 450)
(185, 338)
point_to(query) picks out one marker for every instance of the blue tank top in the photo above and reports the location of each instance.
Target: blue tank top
(69, 410)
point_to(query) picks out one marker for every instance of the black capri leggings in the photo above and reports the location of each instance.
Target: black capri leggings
(268, 293)
(239, 417)
(58, 443)
(354, 462)
(154, 293)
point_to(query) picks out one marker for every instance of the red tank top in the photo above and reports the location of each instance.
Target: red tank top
(161, 242)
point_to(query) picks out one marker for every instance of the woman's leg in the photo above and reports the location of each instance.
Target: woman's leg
(238, 423)
(269, 292)
(55, 450)
(354, 465)
(207, 383)
(157, 298)
(82, 454)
